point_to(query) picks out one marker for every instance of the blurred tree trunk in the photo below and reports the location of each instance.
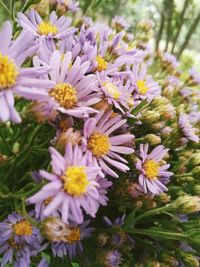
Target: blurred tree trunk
(189, 34)
(170, 10)
(180, 24)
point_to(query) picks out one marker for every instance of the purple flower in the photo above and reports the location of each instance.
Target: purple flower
(71, 244)
(120, 23)
(24, 82)
(113, 259)
(72, 186)
(194, 78)
(187, 130)
(116, 92)
(153, 176)
(68, 5)
(170, 60)
(19, 240)
(55, 27)
(104, 147)
(144, 85)
(73, 93)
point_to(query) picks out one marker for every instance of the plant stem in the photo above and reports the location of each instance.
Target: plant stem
(189, 35)
(5, 7)
(169, 23)
(180, 24)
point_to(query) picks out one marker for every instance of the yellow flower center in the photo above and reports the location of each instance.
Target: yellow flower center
(8, 72)
(75, 180)
(22, 228)
(142, 86)
(112, 89)
(65, 95)
(99, 144)
(45, 28)
(102, 63)
(74, 235)
(151, 169)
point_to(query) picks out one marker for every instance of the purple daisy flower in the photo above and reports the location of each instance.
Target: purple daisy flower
(113, 259)
(116, 91)
(67, 5)
(104, 147)
(24, 82)
(71, 245)
(73, 93)
(145, 86)
(19, 240)
(153, 176)
(55, 27)
(187, 130)
(72, 185)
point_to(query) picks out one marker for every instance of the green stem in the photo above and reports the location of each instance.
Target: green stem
(158, 234)
(5, 7)
(5, 142)
(26, 215)
(89, 7)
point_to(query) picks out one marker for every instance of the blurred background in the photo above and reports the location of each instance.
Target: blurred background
(176, 22)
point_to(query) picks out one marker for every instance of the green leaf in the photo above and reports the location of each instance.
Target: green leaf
(140, 107)
(4, 190)
(129, 221)
(75, 264)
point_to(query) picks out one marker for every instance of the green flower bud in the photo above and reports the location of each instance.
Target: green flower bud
(150, 116)
(152, 139)
(189, 260)
(196, 172)
(195, 159)
(187, 204)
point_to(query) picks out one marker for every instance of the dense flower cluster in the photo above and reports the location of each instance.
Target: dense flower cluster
(106, 112)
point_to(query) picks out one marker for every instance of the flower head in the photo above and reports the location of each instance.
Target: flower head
(113, 259)
(71, 243)
(73, 185)
(103, 146)
(187, 130)
(19, 240)
(24, 82)
(53, 28)
(153, 176)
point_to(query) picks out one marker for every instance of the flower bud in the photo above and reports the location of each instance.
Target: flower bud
(164, 198)
(152, 139)
(159, 101)
(196, 190)
(189, 260)
(196, 172)
(151, 263)
(187, 204)
(69, 136)
(150, 116)
(102, 239)
(195, 159)
(112, 258)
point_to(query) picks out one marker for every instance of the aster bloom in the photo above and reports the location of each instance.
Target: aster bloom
(71, 243)
(169, 61)
(153, 176)
(116, 92)
(19, 240)
(72, 185)
(120, 23)
(186, 128)
(104, 147)
(57, 28)
(67, 5)
(194, 78)
(144, 85)
(113, 259)
(24, 82)
(73, 93)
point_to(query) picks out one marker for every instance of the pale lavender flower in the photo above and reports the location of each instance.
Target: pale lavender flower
(113, 259)
(104, 147)
(72, 246)
(72, 185)
(68, 5)
(144, 85)
(187, 129)
(74, 92)
(170, 61)
(153, 176)
(120, 23)
(116, 91)
(19, 240)
(194, 76)
(24, 82)
(55, 27)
